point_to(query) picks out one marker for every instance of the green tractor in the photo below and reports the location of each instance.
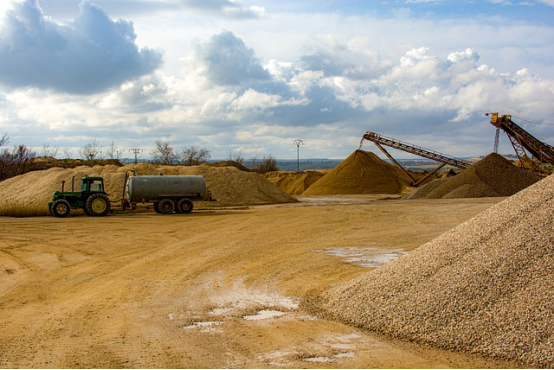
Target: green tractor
(91, 198)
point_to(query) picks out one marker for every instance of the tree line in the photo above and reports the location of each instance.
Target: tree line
(14, 161)
(193, 155)
(19, 159)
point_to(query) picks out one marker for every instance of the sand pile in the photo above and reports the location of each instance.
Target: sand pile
(294, 182)
(361, 173)
(486, 286)
(231, 186)
(236, 164)
(493, 176)
(29, 194)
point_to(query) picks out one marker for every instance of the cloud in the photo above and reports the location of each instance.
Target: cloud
(349, 87)
(91, 54)
(227, 9)
(228, 61)
(422, 80)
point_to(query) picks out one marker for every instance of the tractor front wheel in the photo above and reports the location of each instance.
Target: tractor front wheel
(97, 205)
(60, 208)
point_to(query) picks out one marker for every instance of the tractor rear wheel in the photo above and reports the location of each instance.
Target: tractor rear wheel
(60, 208)
(97, 204)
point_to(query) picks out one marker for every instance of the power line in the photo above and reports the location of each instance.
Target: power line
(136, 152)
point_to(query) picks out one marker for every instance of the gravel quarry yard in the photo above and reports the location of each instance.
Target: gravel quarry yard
(219, 288)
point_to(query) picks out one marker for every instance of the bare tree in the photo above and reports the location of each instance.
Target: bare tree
(92, 150)
(67, 152)
(16, 161)
(113, 152)
(266, 164)
(164, 154)
(5, 167)
(236, 156)
(194, 155)
(49, 151)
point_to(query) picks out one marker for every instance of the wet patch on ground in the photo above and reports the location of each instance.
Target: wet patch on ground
(370, 257)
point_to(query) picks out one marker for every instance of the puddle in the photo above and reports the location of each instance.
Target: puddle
(221, 311)
(320, 359)
(203, 324)
(347, 337)
(345, 355)
(264, 314)
(343, 346)
(327, 349)
(240, 296)
(365, 257)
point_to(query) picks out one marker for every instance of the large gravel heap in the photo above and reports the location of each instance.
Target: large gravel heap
(361, 173)
(492, 176)
(486, 286)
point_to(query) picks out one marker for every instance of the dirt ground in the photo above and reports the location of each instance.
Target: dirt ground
(219, 288)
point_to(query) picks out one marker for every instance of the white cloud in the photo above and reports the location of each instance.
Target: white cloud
(269, 80)
(228, 61)
(137, 8)
(91, 54)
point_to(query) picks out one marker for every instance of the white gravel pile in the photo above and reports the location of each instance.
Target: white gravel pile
(486, 286)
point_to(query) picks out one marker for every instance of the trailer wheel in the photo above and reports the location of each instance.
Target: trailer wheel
(185, 205)
(97, 204)
(156, 207)
(166, 206)
(60, 208)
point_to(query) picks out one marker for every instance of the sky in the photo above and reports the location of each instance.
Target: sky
(250, 77)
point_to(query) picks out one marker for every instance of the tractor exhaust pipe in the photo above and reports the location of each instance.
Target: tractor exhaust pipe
(63, 185)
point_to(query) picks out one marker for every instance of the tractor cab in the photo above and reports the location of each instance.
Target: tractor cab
(92, 185)
(92, 198)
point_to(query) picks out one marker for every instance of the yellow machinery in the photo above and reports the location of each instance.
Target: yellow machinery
(541, 157)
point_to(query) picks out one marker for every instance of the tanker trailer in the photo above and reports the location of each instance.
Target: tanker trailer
(168, 194)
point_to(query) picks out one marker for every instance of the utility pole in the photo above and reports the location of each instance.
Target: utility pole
(298, 142)
(136, 151)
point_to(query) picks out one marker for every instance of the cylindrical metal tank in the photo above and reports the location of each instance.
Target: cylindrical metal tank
(154, 188)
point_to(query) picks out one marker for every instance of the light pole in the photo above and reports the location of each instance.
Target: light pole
(298, 142)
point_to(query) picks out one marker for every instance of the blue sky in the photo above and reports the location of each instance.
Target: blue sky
(252, 76)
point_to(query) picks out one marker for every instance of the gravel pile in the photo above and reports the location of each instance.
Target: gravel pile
(486, 286)
(234, 187)
(493, 176)
(361, 173)
(294, 183)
